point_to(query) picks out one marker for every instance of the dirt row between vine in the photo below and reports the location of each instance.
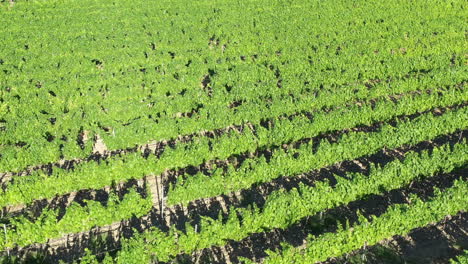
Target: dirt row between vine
(71, 246)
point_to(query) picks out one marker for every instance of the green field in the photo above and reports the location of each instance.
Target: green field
(233, 131)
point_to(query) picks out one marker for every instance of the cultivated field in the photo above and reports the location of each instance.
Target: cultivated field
(233, 131)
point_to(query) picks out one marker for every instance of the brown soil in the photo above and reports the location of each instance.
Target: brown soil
(99, 146)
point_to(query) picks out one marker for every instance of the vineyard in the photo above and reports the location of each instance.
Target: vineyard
(233, 131)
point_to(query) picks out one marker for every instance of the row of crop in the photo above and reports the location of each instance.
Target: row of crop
(41, 185)
(149, 124)
(128, 131)
(108, 87)
(285, 208)
(217, 113)
(110, 95)
(307, 157)
(7, 154)
(22, 231)
(134, 54)
(400, 219)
